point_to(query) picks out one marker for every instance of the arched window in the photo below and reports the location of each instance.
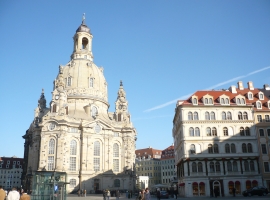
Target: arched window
(222, 101)
(195, 101)
(225, 131)
(229, 115)
(91, 82)
(66, 108)
(212, 167)
(223, 116)
(233, 149)
(249, 148)
(191, 131)
(196, 116)
(54, 108)
(210, 101)
(242, 132)
(117, 183)
(235, 168)
(200, 167)
(227, 148)
(94, 111)
(250, 96)
(205, 101)
(214, 131)
(85, 43)
(227, 101)
(194, 167)
(96, 148)
(245, 116)
(244, 148)
(210, 148)
(229, 166)
(252, 166)
(115, 150)
(192, 148)
(243, 101)
(51, 146)
(216, 148)
(197, 131)
(213, 117)
(208, 131)
(73, 147)
(119, 117)
(247, 131)
(238, 101)
(246, 166)
(259, 105)
(207, 116)
(261, 96)
(240, 116)
(69, 81)
(190, 116)
(217, 166)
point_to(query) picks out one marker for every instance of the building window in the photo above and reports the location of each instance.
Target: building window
(213, 117)
(233, 149)
(196, 116)
(222, 101)
(210, 148)
(192, 148)
(217, 167)
(73, 148)
(94, 111)
(242, 132)
(264, 150)
(243, 101)
(246, 166)
(210, 101)
(116, 134)
(54, 108)
(229, 115)
(68, 81)
(207, 116)
(225, 131)
(250, 96)
(238, 101)
(252, 166)
(200, 167)
(266, 167)
(194, 167)
(191, 131)
(227, 148)
(197, 131)
(268, 132)
(261, 131)
(244, 148)
(259, 117)
(245, 116)
(91, 82)
(212, 167)
(115, 150)
(247, 131)
(216, 148)
(214, 131)
(259, 105)
(117, 183)
(240, 116)
(223, 116)
(96, 148)
(96, 164)
(51, 146)
(50, 163)
(195, 102)
(267, 119)
(229, 166)
(227, 101)
(72, 183)
(206, 101)
(116, 165)
(208, 131)
(235, 168)
(261, 96)
(72, 163)
(249, 148)
(190, 116)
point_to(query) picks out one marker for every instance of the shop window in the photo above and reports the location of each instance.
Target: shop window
(195, 189)
(202, 189)
(237, 187)
(254, 183)
(248, 184)
(231, 186)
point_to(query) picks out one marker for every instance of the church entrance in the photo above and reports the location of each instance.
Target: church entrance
(216, 188)
(96, 184)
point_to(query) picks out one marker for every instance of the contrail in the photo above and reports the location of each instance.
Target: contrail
(214, 86)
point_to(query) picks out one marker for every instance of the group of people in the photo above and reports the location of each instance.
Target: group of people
(14, 194)
(144, 194)
(81, 193)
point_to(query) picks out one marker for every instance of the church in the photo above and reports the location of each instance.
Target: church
(76, 134)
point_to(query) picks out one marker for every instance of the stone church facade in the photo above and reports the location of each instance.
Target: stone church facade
(76, 133)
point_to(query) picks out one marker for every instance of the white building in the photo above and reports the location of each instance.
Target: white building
(215, 143)
(77, 134)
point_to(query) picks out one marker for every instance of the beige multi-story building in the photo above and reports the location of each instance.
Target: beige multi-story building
(168, 169)
(147, 164)
(215, 143)
(76, 133)
(10, 172)
(262, 119)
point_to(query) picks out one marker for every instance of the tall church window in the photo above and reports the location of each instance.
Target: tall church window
(115, 150)
(91, 82)
(96, 148)
(72, 163)
(73, 154)
(84, 43)
(116, 157)
(96, 156)
(51, 146)
(50, 163)
(68, 83)
(119, 117)
(94, 111)
(54, 108)
(73, 147)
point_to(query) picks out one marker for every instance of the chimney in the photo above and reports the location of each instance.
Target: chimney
(250, 85)
(240, 85)
(266, 87)
(232, 89)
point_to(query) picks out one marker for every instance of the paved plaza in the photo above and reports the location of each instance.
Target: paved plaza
(123, 197)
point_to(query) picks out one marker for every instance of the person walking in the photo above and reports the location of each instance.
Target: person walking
(84, 192)
(79, 193)
(117, 194)
(13, 194)
(158, 194)
(141, 195)
(108, 195)
(233, 191)
(2, 193)
(25, 196)
(147, 194)
(104, 195)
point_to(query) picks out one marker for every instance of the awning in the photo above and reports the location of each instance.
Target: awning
(254, 182)
(230, 183)
(248, 182)
(237, 182)
(182, 184)
(194, 183)
(201, 183)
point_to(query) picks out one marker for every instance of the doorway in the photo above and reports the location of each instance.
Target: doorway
(216, 188)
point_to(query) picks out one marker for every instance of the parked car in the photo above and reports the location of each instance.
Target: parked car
(258, 190)
(164, 194)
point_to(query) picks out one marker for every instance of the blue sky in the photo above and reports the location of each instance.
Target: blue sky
(162, 50)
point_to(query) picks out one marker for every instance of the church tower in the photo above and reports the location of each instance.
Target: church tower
(76, 133)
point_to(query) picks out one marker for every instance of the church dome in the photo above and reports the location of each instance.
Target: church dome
(83, 28)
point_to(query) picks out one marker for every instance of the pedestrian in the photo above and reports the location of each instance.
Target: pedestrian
(147, 194)
(175, 193)
(104, 195)
(13, 194)
(158, 194)
(141, 195)
(84, 192)
(25, 196)
(233, 191)
(2, 193)
(216, 192)
(108, 195)
(117, 194)
(79, 193)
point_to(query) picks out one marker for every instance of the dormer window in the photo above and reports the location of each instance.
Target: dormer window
(250, 96)
(227, 101)
(261, 96)
(240, 100)
(194, 100)
(208, 100)
(224, 100)
(259, 105)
